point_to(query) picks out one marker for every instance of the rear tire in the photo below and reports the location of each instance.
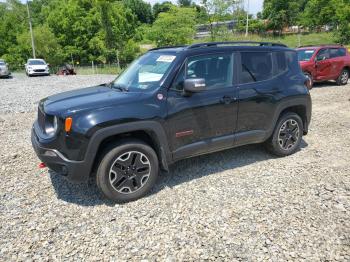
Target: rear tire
(127, 171)
(286, 137)
(343, 78)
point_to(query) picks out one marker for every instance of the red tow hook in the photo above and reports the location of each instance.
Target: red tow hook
(42, 165)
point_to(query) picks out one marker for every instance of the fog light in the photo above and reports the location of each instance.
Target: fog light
(50, 153)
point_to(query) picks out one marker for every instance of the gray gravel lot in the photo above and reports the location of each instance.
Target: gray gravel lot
(240, 204)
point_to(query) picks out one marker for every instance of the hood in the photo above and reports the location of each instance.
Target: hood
(86, 99)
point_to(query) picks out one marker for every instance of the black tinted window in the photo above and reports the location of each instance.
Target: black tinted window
(341, 52)
(281, 62)
(256, 66)
(334, 52)
(323, 54)
(216, 69)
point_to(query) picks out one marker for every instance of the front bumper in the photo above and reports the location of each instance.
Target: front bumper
(42, 73)
(75, 171)
(4, 73)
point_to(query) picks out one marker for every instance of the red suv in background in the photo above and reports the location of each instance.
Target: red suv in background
(323, 63)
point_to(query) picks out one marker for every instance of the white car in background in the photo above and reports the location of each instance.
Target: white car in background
(4, 70)
(36, 67)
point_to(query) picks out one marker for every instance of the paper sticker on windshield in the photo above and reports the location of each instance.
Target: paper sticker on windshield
(166, 58)
(309, 51)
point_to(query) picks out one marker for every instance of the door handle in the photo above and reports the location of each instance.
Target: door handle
(226, 100)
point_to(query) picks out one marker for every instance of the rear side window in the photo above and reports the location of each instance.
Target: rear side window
(337, 52)
(333, 52)
(255, 66)
(341, 52)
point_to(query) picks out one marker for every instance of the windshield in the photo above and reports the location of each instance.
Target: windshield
(305, 55)
(2, 63)
(146, 72)
(36, 62)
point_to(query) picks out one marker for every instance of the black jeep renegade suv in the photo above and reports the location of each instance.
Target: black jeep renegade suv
(173, 103)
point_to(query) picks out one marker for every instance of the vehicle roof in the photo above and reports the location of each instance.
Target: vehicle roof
(320, 46)
(217, 46)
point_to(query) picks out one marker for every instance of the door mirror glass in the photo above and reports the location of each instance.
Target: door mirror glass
(194, 85)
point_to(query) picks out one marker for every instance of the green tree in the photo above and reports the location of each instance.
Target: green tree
(184, 3)
(318, 13)
(141, 9)
(280, 13)
(46, 45)
(343, 18)
(161, 7)
(175, 27)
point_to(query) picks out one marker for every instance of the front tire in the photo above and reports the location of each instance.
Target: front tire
(286, 138)
(128, 171)
(343, 78)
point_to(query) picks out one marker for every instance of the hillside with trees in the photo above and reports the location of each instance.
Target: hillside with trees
(113, 32)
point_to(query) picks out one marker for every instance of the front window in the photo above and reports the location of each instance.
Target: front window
(215, 69)
(305, 55)
(146, 72)
(36, 62)
(2, 63)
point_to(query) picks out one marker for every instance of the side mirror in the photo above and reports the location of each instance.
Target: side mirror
(194, 85)
(48, 64)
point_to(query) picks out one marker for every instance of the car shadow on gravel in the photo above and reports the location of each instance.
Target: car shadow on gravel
(84, 194)
(206, 165)
(87, 194)
(330, 84)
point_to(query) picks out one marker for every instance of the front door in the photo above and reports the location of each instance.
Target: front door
(205, 121)
(323, 65)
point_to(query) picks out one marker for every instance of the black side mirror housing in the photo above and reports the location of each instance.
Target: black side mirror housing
(194, 85)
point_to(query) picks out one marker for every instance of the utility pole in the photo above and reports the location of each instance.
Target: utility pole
(31, 30)
(247, 23)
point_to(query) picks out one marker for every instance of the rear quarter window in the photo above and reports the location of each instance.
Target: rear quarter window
(287, 61)
(255, 67)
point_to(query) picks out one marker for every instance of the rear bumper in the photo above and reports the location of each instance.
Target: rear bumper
(75, 171)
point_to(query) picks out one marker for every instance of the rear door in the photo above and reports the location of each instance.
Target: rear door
(338, 60)
(323, 65)
(257, 93)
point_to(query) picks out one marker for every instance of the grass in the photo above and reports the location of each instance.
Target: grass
(88, 70)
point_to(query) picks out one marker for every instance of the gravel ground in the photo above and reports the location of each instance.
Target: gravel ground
(240, 204)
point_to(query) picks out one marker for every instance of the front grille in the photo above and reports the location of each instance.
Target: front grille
(41, 119)
(39, 70)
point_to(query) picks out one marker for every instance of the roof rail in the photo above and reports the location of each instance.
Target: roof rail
(209, 44)
(320, 45)
(166, 47)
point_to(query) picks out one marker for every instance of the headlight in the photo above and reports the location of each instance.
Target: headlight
(29, 67)
(51, 125)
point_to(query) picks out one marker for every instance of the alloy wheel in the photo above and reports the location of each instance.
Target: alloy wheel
(344, 77)
(288, 134)
(129, 172)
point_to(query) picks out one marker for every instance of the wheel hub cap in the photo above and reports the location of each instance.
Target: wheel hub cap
(129, 172)
(288, 134)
